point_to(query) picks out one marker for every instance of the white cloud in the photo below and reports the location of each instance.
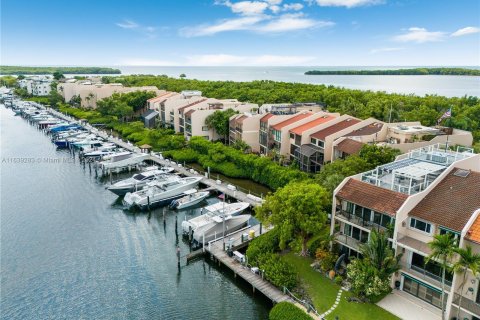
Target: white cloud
(378, 50)
(273, 2)
(242, 23)
(348, 3)
(127, 24)
(234, 60)
(289, 22)
(465, 31)
(251, 16)
(292, 6)
(147, 31)
(420, 35)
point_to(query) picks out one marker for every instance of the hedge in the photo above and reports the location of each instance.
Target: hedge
(287, 311)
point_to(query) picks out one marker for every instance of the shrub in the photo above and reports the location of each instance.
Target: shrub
(279, 272)
(287, 311)
(338, 280)
(326, 259)
(266, 243)
(183, 155)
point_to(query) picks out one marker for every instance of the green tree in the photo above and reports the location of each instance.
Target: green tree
(370, 276)
(467, 260)
(183, 75)
(58, 75)
(333, 173)
(377, 155)
(443, 249)
(298, 210)
(240, 145)
(20, 77)
(219, 121)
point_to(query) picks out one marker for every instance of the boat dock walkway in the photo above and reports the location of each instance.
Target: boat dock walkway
(237, 240)
(222, 187)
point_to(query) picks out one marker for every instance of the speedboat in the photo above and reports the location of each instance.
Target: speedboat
(219, 227)
(100, 152)
(121, 160)
(139, 180)
(160, 193)
(191, 198)
(220, 209)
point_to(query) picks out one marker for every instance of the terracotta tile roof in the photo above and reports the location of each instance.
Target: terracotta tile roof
(452, 202)
(191, 104)
(266, 117)
(349, 146)
(473, 233)
(367, 130)
(322, 134)
(309, 125)
(372, 197)
(295, 118)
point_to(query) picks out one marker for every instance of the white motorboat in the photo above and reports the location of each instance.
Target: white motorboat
(214, 211)
(139, 180)
(100, 152)
(160, 193)
(120, 160)
(218, 227)
(191, 198)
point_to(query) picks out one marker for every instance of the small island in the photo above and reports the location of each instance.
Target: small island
(401, 72)
(17, 70)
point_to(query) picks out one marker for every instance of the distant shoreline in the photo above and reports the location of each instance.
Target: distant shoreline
(18, 70)
(400, 72)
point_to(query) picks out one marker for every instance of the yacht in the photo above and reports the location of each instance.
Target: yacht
(215, 229)
(191, 198)
(121, 160)
(139, 180)
(160, 193)
(98, 153)
(219, 209)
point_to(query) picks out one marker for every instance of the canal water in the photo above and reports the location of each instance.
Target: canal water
(69, 251)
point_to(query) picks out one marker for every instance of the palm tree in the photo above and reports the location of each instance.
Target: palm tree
(443, 249)
(467, 261)
(378, 252)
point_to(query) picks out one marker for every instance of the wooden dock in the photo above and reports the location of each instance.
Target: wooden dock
(218, 254)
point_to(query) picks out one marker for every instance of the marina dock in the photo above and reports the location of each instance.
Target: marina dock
(222, 187)
(218, 254)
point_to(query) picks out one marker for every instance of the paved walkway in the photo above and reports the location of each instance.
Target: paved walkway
(408, 307)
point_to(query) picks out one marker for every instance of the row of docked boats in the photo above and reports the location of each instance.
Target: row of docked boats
(151, 187)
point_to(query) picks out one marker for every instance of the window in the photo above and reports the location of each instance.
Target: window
(350, 207)
(205, 128)
(422, 291)
(292, 135)
(420, 225)
(321, 144)
(277, 135)
(455, 235)
(313, 141)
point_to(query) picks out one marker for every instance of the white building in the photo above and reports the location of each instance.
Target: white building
(37, 85)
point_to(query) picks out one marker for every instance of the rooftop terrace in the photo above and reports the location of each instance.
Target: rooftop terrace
(416, 170)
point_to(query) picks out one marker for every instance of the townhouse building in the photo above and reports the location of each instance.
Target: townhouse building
(424, 192)
(245, 127)
(36, 85)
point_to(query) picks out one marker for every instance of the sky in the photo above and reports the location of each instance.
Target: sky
(241, 33)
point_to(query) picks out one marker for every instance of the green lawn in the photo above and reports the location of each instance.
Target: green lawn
(323, 292)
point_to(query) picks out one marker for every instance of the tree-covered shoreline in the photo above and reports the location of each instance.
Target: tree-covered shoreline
(18, 70)
(401, 72)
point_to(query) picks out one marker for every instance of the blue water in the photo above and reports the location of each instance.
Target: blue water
(69, 251)
(450, 86)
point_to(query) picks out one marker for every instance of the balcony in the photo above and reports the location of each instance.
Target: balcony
(348, 241)
(467, 304)
(352, 219)
(424, 275)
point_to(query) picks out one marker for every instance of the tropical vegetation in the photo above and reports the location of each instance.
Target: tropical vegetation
(443, 249)
(370, 275)
(467, 260)
(413, 71)
(18, 70)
